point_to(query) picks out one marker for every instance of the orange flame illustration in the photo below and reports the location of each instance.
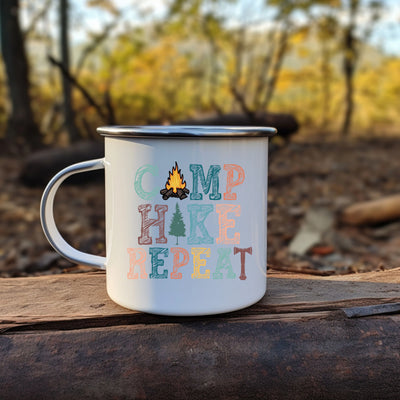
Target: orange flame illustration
(175, 179)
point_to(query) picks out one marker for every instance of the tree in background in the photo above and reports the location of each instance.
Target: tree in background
(351, 47)
(69, 113)
(245, 57)
(249, 56)
(326, 27)
(21, 129)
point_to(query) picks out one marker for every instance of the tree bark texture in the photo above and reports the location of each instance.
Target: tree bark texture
(348, 69)
(349, 65)
(61, 337)
(69, 114)
(21, 127)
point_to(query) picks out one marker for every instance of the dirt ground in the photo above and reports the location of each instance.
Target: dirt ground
(306, 176)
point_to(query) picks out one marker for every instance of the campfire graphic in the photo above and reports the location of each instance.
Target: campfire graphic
(175, 186)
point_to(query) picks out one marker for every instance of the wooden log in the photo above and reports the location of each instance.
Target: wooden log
(286, 124)
(63, 338)
(328, 358)
(41, 166)
(372, 212)
(182, 193)
(166, 193)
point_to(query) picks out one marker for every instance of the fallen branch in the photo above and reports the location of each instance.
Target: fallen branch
(84, 92)
(372, 212)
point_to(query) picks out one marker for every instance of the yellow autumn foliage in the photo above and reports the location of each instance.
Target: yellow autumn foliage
(168, 78)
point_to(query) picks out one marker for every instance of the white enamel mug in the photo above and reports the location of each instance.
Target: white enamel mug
(186, 217)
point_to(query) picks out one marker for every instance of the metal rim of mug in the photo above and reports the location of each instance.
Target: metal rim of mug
(186, 131)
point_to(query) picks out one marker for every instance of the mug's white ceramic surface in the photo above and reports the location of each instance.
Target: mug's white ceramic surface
(186, 217)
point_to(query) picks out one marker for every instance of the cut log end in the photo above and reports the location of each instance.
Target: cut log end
(372, 212)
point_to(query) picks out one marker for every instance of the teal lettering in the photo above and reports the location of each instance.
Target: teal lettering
(156, 262)
(224, 262)
(152, 169)
(212, 182)
(198, 214)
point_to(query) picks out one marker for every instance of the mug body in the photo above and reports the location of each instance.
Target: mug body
(186, 222)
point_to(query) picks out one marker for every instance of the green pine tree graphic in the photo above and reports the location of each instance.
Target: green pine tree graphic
(177, 227)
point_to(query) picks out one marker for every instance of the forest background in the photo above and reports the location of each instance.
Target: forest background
(70, 66)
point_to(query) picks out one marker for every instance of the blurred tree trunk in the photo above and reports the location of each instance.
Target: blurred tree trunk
(326, 84)
(327, 27)
(21, 128)
(352, 45)
(69, 114)
(275, 68)
(349, 65)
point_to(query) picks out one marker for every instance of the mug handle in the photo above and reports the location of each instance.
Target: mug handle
(47, 216)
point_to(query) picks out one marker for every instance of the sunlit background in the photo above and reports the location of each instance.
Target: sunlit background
(333, 64)
(324, 72)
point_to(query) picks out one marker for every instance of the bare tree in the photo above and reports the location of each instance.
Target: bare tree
(69, 114)
(70, 80)
(351, 47)
(350, 56)
(255, 67)
(276, 65)
(36, 16)
(326, 27)
(21, 127)
(264, 62)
